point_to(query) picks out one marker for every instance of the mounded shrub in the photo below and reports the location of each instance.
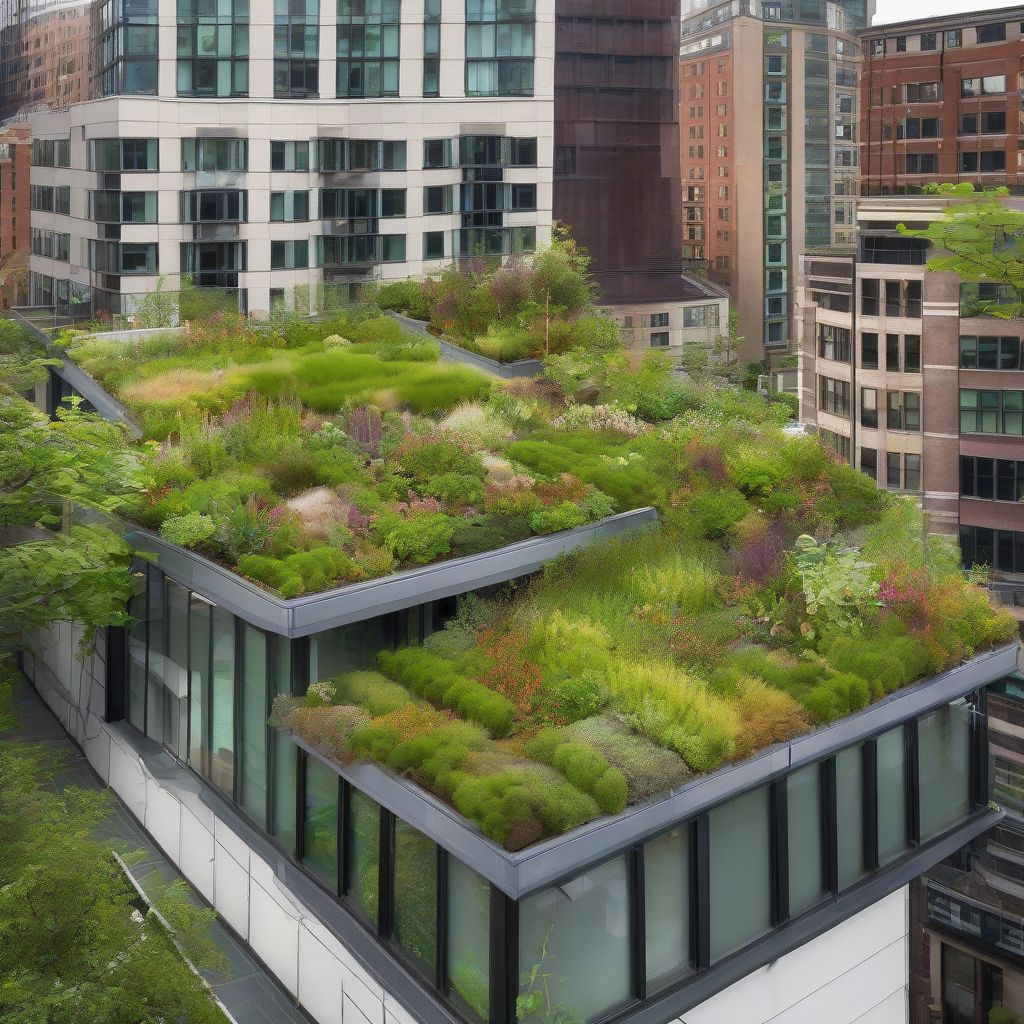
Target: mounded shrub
(585, 767)
(188, 530)
(371, 690)
(837, 696)
(436, 680)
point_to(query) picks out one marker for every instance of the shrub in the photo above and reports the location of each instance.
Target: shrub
(328, 729)
(437, 681)
(837, 696)
(479, 426)
(455, 489)
(577, 697)
(585, 767)
(563, 516)
(420, 538)
(371, 690)
(767, 716)
(426, 459)
(717, 511)
(188, 530)
(403, 297)
(272, 573)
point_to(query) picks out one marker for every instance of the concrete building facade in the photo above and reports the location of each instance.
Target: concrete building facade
(768, 158)
(940, 102)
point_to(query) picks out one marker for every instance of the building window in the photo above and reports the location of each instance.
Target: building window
(911, 472)
(433, 245)
(211, 206)
(296, 48)
(368, 47)
(437, 199)
(289, 255)
(208, 154)
(54, 153)
(943, 764)
(992, 33)
(922, 92)
(952, 38)
(350, 250)
(869, 407)
(834, 396)
(1002, 550)
(289, 156)
(415, 897)
(432, 48)
(988, 352)
(123, 257)
(988, 86)
(991, 479)
(921, 163)
(118, 155)
(849, 782)
(834, 343)
(289, 206)
(128, 48)
(112, 207)
(929, 41)
(903, 410)
(361, 204)
(992, 412)
(359, 155)
(321, 800)
(213, 264)
(659, 339)
(499, 47)
(804, 801)
(901, 44)
(361, 886)
(698, 316)
(666, 862)
(254, 731)
(869, 462)
(54, 245)
(213, 48)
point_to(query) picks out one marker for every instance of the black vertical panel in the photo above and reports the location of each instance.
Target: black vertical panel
(386, 874)
(188, 669)
(823, 823)
(237, 709)
(269, 670)
(344, 815)
(116, 689)
(146, 570)
(700, 892)
(300, 806)
(504, 958)
(913, 783)
(871, 805)
(637, 924)
(831, 825)
(441, 917)
(778, 830)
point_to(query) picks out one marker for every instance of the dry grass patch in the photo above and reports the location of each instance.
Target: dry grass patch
(172, 385)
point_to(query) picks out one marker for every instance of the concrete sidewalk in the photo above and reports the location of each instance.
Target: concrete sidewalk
(248, 993)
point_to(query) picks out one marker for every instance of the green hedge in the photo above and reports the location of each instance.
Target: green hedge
(584, 766)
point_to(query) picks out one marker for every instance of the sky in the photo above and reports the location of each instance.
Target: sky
(906, 10)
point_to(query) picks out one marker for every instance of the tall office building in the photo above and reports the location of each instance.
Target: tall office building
(768, 122)
(940, 102)
(278, 149)
(15, 165)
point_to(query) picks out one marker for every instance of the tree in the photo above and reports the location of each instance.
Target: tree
(157, 308)
(74, 945)
(560, 281)
(47, 468)
(718, 357)
(980, 241)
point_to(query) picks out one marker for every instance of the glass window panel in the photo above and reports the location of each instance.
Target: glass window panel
(155, 669)
(890, 755)
(803, 823)
(850, 814)
(416, 896)
(574, 947)
(285, 754)
(667, 907)
(943, 739)
(363, 852)
(320, 822)
(468, 927)
(199, 673)
(253, 786)
(740, 872)
(222, 724)
(346, 648)
(175, 670)
(137, 657)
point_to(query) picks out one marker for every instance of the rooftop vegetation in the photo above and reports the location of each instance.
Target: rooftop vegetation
(780, 590)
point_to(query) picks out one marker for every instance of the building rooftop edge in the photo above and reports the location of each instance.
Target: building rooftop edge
(965, 18)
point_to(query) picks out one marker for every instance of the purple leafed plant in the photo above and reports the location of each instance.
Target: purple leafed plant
(364, 426)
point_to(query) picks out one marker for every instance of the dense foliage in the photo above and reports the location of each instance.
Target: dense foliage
(74, 944)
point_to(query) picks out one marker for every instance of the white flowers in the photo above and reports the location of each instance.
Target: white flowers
(599, 417)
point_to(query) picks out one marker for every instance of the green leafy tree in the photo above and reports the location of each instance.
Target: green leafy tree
(158, 308)
(982, 242)
(52, 571)
(718, 357)
(74, 944)
(560, 282)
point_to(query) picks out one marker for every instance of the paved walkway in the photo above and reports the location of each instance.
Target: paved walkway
(248, 993)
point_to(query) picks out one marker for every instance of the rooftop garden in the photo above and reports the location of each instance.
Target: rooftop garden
(779, 591)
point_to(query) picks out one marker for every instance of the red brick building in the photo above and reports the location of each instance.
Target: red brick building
(941, 101)
(15, 167)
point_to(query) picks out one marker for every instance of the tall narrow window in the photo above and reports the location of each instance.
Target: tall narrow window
(890, 758)
(368, 44)
(943, 756)
(222, 702)
(432, 48)
(285, 754)
(667, 907)
(253, 760)
(137, 656)
(155, 661)
(296, 47)
(213, 48)
(199, 683)
(499, 48)
(850, 814)
(803, 824)
(363, 854)
(175, 671)
(416, 896)
(320, 822)
(468, 946)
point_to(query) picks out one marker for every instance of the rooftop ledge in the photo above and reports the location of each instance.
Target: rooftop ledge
(311, 613)
(518, 874)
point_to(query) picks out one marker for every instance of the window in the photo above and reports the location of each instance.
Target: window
(804, 825)
(890, 767)
(285, 755)
(368, 43)
(122, 155)
(437, 199)
(499, 48)
(255, 703)
(1003, 550)
(834, 396)
(991, 33)
(210, 206)
(869, 407)
(892, 471)
(56, 245)
(892, 352)
(667, 907)
(850, 815)
(952, 38)
(583, 926)
(740, 870)
(363, 852)
(213, 264)
(296, 47)
(289, 255)
(659, 339)
(53, 153)
(176, 667)
(696, 316)
(213, 48)
(992, 412)
(111, 207)
(289, 156)
(990, 85)
(869, 297)
(289, 206)
(208, 154)
(903, 410)
(415, 897)
(320, 821)
(993, 479)
(432, 47)
(911, 472)
(943, 746)
(359, 155)
(433, 245)
(123, 257)
(361, 203)
(922, 92)
(929, 41)
(869, 350)
(993, 122)
(869, 462)
(222, 702)
(834, 343)
(468, 947)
